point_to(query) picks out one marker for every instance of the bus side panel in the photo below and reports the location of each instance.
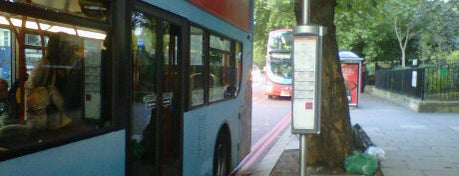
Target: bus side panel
(201, 125)
(201, 17)
(200, 133)
(195, 144)
(101, 155)
(245, 96)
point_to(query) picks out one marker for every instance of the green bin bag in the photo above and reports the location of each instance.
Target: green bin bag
(361, 163)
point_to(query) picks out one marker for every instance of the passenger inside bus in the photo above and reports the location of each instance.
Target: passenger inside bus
(276, 70)
(9, 104)
(61, 72)
(54, 96)
(3, 101)
(62, 67)
(287, 71)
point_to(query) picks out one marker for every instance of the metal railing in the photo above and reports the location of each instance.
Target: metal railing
(429, 83)
(441, 83)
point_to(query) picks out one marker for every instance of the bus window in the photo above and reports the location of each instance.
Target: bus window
(219, 67)
(33, 50)
(93, 9)
(61, 83)
(145, 58)
(197, 73)
(222, 69)
(5, 37)
(144, 52)
(156, 119)
(238, 56)
(219, 43)
(218, 79)
(5, 54)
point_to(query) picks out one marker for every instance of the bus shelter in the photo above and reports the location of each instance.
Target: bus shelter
(351, 66)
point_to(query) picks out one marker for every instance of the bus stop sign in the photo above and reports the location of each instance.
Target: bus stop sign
(307, 66)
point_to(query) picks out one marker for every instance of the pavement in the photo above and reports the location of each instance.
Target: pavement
(415, 144)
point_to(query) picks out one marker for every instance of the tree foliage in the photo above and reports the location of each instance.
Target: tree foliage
(270, 15)
(401, 13)
(358, 28)
(398, 29)
(439, 33)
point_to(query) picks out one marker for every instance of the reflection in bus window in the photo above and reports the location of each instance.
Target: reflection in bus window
(219, 43)
(144, 55)
(217, 81)
(197, 73)
(144, 52)
(92, 9)
(218, 77)
(155, 119)
(238, 56)
(221, 75)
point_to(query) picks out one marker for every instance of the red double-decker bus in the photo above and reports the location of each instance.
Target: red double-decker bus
(279, 63)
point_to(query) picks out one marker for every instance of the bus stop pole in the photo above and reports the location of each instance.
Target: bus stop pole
(303, 139)
(303, 152)
(305, 12)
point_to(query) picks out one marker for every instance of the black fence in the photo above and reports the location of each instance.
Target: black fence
(429, 83)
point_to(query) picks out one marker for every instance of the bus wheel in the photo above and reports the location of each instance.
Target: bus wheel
(222, 155)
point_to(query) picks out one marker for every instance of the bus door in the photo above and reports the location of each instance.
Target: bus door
(156, 125)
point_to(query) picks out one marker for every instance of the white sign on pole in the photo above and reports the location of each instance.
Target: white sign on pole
(304, 82)
(414, 78)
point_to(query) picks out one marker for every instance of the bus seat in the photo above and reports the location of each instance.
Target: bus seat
(196, 81)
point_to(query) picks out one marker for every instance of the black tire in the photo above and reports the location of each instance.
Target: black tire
(222, 155)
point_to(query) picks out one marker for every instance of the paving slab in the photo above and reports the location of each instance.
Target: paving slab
(415, 144)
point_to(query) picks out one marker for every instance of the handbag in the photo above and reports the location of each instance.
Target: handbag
(45, 108)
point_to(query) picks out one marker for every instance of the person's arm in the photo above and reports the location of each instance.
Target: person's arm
(38, 76)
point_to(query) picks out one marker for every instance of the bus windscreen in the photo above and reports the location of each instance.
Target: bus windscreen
(279, 63)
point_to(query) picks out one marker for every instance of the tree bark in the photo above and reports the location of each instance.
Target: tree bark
(334, 143)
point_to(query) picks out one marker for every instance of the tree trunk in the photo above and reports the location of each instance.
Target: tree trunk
(334, 143)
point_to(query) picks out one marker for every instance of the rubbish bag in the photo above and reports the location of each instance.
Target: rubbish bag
(361, 140)
(361, 163)
(376, 151)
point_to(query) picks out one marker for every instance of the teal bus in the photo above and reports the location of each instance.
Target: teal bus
(125, 87)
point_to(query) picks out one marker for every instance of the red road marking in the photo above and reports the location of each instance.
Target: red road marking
(262, 145)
